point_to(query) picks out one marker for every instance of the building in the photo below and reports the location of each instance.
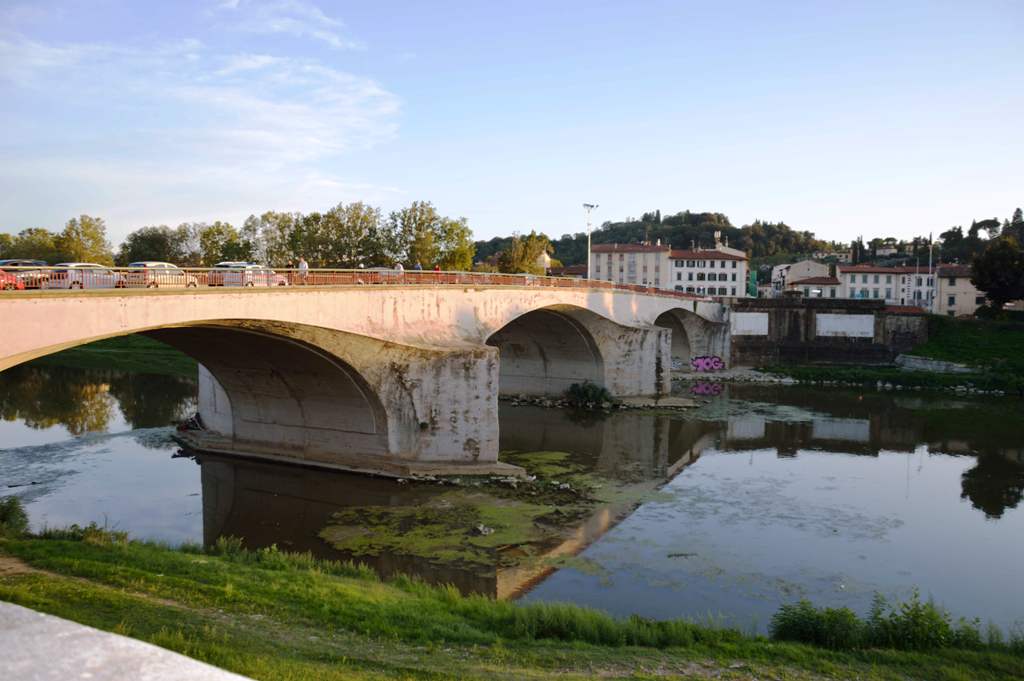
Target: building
(639, 264)
(569, 271)
(805, 269)
(956, 295)
(718, 271)
(816, 287)
(904, 285)
(710, 272)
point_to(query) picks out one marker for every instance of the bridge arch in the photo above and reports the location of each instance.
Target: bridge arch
(544, 351)
(681, 350)
(270, 388)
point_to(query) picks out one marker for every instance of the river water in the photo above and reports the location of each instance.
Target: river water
(761, 496)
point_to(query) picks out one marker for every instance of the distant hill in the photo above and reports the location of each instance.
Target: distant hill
(682, 230)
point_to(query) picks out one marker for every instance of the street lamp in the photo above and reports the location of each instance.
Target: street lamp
(588, 207)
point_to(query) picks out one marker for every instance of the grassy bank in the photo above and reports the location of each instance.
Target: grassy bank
(992, 348)
(278, 616)
(131, 353)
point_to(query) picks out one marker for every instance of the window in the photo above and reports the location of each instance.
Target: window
(679, 276)
(874, 293)
(888, 279)
(807, 291)
(832, 292)
(918, 281)
(722, 276)
(734, 276)
(702, 263)
(952, 300)
(853, 278)
(931, 282)
(689, 289)
(690, 263)
(711, 264)
(734, 264)
(733, 290)
(888, 293)
(979, 300)
(863, 278)
(700, 276)
(721, 290)
(689, 276)
(876, 278)
(864, 292)
(952, 281)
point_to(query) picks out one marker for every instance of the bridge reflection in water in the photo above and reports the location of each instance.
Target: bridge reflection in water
(267, 503)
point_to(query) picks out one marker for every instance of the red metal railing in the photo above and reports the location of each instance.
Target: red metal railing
(91, 278)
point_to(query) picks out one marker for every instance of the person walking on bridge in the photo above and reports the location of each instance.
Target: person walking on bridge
(303, 270)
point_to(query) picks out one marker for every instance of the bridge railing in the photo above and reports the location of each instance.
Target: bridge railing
(87, 279)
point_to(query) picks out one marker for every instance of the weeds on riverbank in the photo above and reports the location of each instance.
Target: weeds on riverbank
(907, 625)
(13, 519)
(833, 374)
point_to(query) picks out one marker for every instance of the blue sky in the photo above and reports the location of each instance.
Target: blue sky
(841, 118)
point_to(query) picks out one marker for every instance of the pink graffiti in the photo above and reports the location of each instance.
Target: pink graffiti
(706, 388)
(707, 363)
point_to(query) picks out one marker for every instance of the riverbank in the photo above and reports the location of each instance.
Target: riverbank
(134, 353)
(271, 615)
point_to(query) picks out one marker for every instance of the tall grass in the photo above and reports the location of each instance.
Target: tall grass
(908, 625)
(13, 519)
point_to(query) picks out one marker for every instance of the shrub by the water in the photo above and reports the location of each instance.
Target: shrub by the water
(13, 519)
(588, 395)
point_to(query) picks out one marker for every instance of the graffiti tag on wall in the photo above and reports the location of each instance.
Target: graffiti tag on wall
(707, 363)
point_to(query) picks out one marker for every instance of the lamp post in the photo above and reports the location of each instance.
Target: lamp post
(588, 207)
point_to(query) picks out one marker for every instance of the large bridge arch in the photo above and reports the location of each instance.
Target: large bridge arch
(277, 391)
(693, 336)
(544, 351)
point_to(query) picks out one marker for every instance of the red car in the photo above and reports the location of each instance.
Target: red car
(9, 282)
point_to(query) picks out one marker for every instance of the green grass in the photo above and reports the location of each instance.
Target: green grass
(870, 375)
(991, 345)
(133, 353)
(273, 615)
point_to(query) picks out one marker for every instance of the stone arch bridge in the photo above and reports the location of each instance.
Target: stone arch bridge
(388, 379)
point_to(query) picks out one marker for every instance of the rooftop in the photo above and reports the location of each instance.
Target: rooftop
(628, 248)
(705, 254)
(815, 281)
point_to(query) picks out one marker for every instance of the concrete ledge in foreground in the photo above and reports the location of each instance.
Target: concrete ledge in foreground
(39, 647)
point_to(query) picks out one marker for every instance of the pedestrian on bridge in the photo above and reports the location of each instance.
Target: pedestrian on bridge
(303, 270)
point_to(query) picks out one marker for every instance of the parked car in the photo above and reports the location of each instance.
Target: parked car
(154, 274)
(10, 282)
(32, 278)
(236, 273)
(84, 275)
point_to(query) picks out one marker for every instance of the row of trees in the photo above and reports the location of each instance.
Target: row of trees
(348, 235)
(83, 239)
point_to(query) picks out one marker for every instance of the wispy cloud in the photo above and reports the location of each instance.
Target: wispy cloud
(182, 127)
(290, 17)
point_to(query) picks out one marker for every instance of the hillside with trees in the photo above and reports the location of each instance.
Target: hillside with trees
(681, 230)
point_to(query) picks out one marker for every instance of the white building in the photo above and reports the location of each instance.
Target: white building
(956, 295)
(816, 287)
(710, 272)
(805, 269)
(640, 264)
(719, 271)
(895, 285)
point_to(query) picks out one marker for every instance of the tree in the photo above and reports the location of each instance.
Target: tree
(999, 271)
(6, 244)
(34, 243)
(152, 243)
(84, 239)
(524, 254)
(455, 245)
(418, 227)
(220, 241)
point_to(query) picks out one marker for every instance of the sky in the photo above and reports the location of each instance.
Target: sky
(845, 119)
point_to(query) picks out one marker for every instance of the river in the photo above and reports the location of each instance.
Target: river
(760, 496)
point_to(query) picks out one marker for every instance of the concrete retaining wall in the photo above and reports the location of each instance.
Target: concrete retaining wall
(823, 331)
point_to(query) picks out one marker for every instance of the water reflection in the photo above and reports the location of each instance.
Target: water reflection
(289, 506)
(90, 401)
(825, 493)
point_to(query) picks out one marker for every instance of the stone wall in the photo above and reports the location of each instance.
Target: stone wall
(821, 331)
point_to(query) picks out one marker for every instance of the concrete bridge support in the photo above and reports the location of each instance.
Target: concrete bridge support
(328, 398)
(544, 352)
